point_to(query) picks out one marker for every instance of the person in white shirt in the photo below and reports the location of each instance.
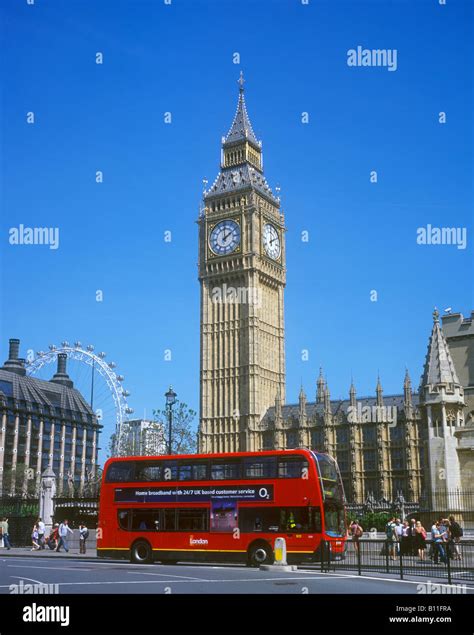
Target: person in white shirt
(41, 529)
(83, 536)
(63, 534)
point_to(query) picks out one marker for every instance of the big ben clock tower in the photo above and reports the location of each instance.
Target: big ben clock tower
(242, 277)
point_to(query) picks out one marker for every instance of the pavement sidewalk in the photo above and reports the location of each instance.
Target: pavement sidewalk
(73, 554)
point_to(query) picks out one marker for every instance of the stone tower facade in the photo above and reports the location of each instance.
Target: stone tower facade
(242, 278)
(442, 399)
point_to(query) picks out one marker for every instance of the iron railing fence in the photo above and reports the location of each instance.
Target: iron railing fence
(453, 561)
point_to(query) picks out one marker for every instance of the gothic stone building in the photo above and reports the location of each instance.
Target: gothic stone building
(414, 442)
(44, 424)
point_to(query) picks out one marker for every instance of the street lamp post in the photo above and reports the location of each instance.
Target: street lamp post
(170, 401)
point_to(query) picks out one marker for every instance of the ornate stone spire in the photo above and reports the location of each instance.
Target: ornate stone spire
(379, 392)
(302, 400)
(352, 395)
(327, 401)
(320, 387)
(439, 367)
(241, 158)
(278, 413)
(241, 128)
(407, 391)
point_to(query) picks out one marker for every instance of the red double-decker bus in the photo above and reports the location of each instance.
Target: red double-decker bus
(221, 507)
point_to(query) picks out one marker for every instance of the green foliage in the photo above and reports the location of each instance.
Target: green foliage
(368, 520)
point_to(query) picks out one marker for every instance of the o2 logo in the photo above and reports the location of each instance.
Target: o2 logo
(263, 493)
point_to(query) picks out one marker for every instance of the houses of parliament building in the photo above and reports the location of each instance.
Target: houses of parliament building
(415, 443)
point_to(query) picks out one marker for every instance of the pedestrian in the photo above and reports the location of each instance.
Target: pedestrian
(83, 536)
(420, 540)
(52, 539)
(405, 542)
(398, 534)
(41, 530)
(412, 534)
(34, 538)
(391, 537)
(438, 535)
(63, 535)
(455, 533)
(356, 532)
(5, 533)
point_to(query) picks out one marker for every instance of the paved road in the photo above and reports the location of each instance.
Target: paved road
(74, 576)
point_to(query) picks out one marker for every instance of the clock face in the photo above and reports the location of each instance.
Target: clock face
(225, 237)
(271, 241)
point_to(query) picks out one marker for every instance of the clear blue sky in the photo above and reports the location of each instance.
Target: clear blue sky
(178, 58)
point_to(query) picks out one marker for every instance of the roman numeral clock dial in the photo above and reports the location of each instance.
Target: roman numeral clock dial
(224, 237)
(271, 241)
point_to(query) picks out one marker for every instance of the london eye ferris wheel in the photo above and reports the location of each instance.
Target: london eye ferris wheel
(98, 382)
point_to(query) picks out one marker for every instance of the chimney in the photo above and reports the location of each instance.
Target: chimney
(61, 376)
(14, 364)
(14, 349)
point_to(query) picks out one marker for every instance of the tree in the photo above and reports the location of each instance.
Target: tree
(184, 433)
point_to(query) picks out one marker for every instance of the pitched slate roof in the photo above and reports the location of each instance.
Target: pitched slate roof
(43, 393)
(241, 128)
(238, 178)
(314, 409)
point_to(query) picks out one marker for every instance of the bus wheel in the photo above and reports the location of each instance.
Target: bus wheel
(260, 553)
(141, 552)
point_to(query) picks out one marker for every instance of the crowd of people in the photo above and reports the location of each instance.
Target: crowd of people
(409, 538)
(57, 538)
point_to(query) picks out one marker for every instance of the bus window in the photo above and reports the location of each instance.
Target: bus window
(227, 470)
(334, 519)
(146, 520)
(169, 519)
(200, 471)
(123, 517)
(259, 519)
(316, 520)
(260, 467)
(148, 471)
(121, 472)
(192, 519)
(292, 467)
(185, 472)
(170, 471)
(295, 519)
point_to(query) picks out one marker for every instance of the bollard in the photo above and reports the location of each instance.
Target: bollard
(280, 563)
(280, 552)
